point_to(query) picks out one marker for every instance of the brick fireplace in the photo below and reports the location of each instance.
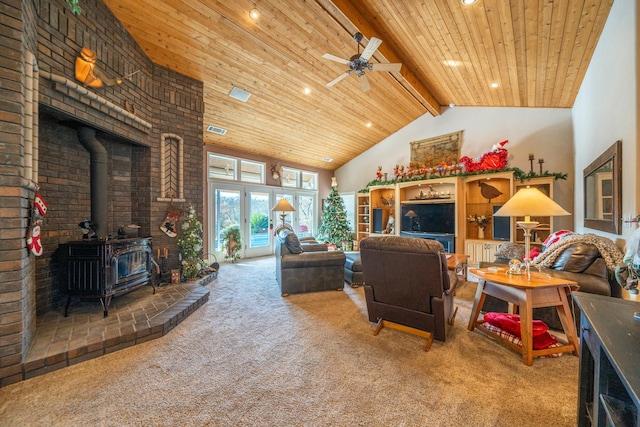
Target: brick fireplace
(41, 147)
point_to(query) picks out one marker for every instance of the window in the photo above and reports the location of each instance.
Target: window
(309, 180)
(295, 178)
(349, 200)
(221, 167)
(226, 168)
(252, 172)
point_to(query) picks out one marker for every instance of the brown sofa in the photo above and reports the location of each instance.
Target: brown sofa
(307, 266)
(406, 281)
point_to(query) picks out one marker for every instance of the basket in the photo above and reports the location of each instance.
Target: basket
(213, 267)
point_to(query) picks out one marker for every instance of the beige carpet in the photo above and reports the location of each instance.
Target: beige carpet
(252, 358)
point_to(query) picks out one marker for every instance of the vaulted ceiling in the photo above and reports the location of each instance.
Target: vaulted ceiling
(535, 51)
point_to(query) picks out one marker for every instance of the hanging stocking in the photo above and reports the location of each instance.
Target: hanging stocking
(33, 240)
(33, 235)
(168, 226)
(40, 205)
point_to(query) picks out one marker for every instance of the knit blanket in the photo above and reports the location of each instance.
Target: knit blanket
(608, 250)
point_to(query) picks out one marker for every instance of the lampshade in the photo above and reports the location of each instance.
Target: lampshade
(411, 214)
(531, 202)
(283, 206)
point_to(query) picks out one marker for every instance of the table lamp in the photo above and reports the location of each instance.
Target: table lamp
(530, 202)
(415, 222)
(283, 206)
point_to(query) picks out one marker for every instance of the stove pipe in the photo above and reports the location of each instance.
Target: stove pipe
(99, 195)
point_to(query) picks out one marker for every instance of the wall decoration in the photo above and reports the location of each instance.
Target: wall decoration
(443, 149)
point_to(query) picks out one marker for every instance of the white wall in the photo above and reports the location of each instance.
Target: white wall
(606, 110)
(545, 132)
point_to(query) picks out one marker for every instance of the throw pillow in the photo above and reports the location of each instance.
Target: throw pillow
(555, 237)
(510, 251)
(292, 243)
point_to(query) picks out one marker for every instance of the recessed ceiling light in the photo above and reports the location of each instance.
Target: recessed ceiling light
(327, 159)
(468, 2)
(494, 85)
(254, 14)
(306, 91)
(369, 124)
(452, 63)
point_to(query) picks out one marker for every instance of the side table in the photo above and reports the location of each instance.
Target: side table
(540, 291)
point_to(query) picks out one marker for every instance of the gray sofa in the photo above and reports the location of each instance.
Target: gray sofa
(307, 266)
(581, 262)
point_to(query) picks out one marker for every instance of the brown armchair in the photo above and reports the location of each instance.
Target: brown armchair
(407, 285)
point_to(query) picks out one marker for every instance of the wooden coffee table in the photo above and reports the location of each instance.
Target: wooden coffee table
(541, 291)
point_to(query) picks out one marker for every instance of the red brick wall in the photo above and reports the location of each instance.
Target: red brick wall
(171, 103)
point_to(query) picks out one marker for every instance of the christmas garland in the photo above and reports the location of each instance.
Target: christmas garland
(517, 173)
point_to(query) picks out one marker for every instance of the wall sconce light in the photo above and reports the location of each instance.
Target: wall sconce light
(276, 171)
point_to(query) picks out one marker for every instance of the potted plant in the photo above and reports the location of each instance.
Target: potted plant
(232, 240)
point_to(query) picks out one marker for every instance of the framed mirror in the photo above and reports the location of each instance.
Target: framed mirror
(603, 191)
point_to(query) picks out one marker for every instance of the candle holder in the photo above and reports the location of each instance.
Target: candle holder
(531, 159)
(540, 162)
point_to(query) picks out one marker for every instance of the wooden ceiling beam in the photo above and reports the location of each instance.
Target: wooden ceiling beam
(406, 77)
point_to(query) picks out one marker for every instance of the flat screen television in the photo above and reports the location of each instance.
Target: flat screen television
(429, 217)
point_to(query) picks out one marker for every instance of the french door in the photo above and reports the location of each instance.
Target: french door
(303, 221)
(248, 208)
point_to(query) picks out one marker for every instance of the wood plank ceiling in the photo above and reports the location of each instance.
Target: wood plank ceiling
(536, 50)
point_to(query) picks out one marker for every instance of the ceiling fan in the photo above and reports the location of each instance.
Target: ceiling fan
(359, 62)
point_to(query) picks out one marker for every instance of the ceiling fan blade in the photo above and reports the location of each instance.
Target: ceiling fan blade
(337, 79)
(335, 58)
(371, 48)
(364, 82)
(386, 67)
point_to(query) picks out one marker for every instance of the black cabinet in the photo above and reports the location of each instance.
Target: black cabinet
(609, 361)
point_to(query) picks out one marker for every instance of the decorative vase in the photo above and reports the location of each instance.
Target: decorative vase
(480, 233)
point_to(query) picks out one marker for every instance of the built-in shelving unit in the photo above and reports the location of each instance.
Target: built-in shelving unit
(382, 204)
(473, 195)
(363, 217)
(485, 194)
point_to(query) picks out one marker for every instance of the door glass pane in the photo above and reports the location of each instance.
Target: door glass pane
(227, 214)
(259, 218)
(288, 218)
(305, 216)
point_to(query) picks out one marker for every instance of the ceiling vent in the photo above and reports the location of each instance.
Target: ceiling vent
(215, 129)
(239, 94)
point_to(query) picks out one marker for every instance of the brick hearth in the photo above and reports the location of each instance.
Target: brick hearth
(134, 318)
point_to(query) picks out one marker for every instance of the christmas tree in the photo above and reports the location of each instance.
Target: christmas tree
(335, 226)
(190, 245)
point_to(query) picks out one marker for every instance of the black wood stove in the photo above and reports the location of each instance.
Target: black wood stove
(96, 268)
